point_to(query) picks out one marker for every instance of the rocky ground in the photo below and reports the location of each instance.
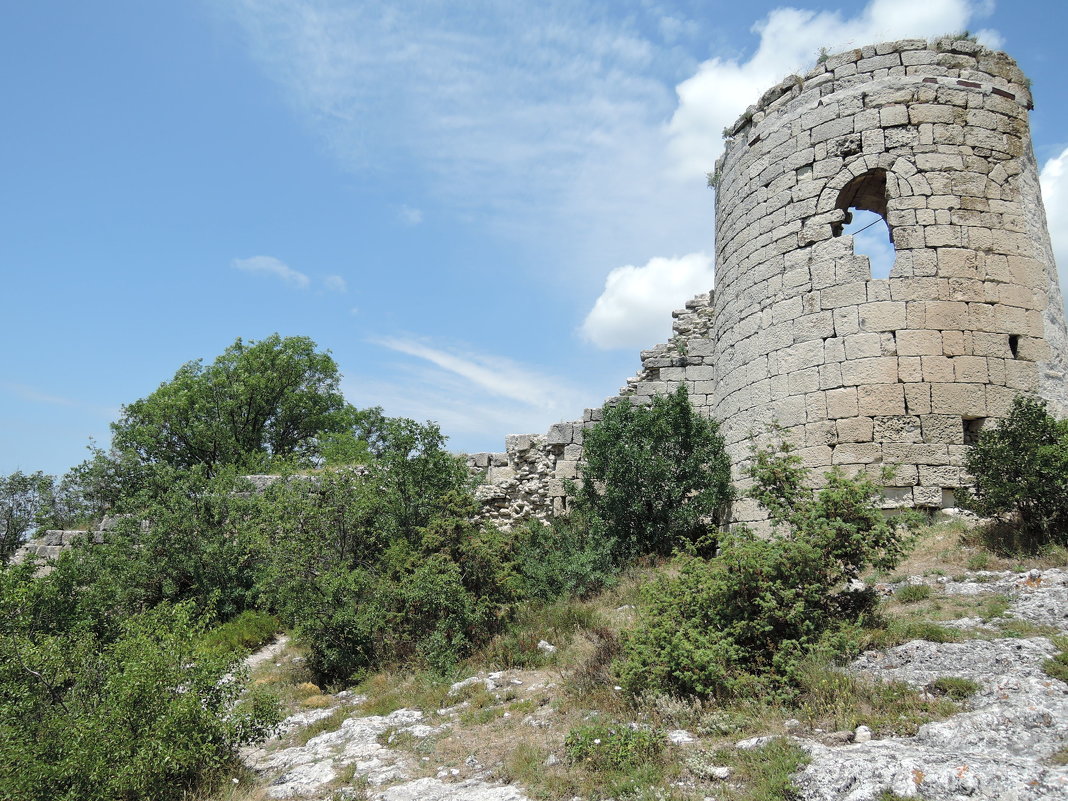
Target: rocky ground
(1002, 746)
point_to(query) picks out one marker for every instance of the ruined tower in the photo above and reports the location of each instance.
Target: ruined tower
(861, 371)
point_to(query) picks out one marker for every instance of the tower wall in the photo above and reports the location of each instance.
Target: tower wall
(865, 373)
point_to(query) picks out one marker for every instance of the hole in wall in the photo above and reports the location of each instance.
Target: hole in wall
(1014, 344)
(972, 427)
(863, 200)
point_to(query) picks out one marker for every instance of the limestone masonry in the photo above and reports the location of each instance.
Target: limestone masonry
(861, 372)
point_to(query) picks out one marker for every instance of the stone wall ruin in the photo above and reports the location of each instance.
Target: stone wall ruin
(861, 372)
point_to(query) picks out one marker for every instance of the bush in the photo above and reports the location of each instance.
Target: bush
(138, 716)
(246, 632)
(655, 477)
(743, 623)
(612, 746)
(913, 593)
(1021, 472)
(562, 559)
(384, 565)
(956, 688)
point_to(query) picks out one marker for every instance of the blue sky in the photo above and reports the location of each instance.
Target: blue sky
(483, 209)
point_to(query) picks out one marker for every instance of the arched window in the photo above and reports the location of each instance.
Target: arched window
(864, 201)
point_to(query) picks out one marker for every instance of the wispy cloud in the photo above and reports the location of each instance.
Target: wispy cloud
(269, 265)
(335, 283)
(479, 397)
(36, 396)
(409, 215)
(634, 310)
(583, 136)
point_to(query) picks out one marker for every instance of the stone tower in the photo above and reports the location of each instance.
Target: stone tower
(862, 372)
(900, 371)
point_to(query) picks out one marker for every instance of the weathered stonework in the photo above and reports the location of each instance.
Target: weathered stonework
(863, 373)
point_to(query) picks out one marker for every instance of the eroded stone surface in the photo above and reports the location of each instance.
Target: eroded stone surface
(998, 748)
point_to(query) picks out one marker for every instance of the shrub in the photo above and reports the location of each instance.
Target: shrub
(383, 566)
(246, 632)
(912, 593)
(743, 623)
(562, 559)
(612, 746)
(956, 688)
(655, 476)
(1021, 471)
(139, 716)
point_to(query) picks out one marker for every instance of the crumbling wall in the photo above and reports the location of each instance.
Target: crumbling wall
(862, 372)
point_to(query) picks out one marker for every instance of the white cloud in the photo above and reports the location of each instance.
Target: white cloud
(409, 215)
(493, 374)
(790, 40)
(269, 265)
(635, 307)
(36, 396)
(1054, 180)
(335, 283)
(476, 397)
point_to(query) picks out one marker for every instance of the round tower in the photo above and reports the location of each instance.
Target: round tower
(900, 371)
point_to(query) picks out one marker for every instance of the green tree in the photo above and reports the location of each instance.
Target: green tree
(1021, 472)
(22, 498)
(257, 402)
(655, 476)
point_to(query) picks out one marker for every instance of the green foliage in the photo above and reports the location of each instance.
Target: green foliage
(246, 632)
(136, 715)
(613, 746)
(562, 559)
(184, 539)
(744, 622)
(956, 688)
(383, 564)
(1021, 472)
(764, 773)
(912, 593)
(257, 403)
(22, 498)
(1057, 667)
(656, 477)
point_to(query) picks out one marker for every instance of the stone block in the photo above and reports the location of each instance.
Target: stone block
(863, 346)
(938, 369)
(897, 428)
(946, 429)
(930, 497)
(516, 443)
(854, 429)
(917, 398)
(568, 470)
(841, 403)
(1022, 376)
(882, 316)
(959, 399)
(560, 434)
(877, 370)
(857, 453)
(881, 399)
(919, 343)
(943, 315)
(971, 369)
